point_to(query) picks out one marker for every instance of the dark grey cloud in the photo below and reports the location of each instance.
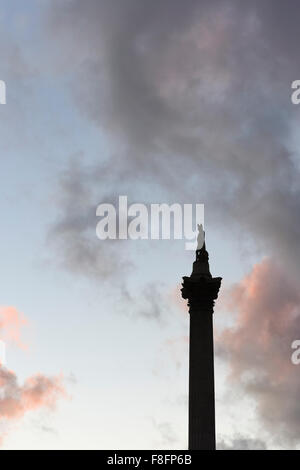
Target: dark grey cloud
(73, 232)
(194, 88)
(150, 302)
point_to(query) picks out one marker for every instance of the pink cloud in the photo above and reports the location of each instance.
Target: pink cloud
(11, 323)
(37, 391)
(258, 346)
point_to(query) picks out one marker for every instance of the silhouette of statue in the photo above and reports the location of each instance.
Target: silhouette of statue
(200, 237)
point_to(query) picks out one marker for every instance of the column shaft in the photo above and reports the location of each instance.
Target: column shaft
(201, 382)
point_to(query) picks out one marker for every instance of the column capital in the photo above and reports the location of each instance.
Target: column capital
(201, 292)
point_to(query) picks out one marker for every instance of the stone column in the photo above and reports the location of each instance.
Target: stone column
(201, 289)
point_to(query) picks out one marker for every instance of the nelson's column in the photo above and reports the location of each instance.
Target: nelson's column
(201, 290)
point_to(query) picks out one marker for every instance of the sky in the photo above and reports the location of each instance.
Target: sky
(165, 102)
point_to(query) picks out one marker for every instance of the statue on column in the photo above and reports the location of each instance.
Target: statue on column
(200, 237)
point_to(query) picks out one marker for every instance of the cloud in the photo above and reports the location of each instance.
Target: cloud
(73, 233)
(38, 391)
(150, 303)
(194, 96)
(242, 443)
(47, 429)
(258, 347)
(166, 433)
(11, 323)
